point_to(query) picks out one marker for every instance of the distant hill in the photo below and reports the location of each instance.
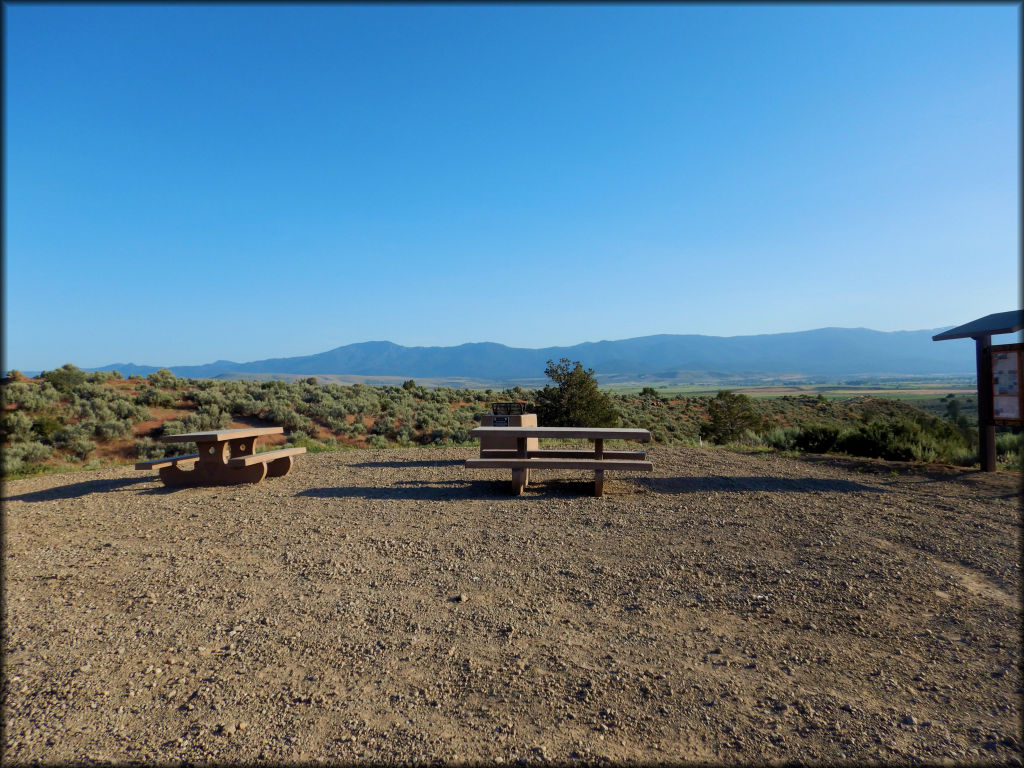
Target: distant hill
(825, 352)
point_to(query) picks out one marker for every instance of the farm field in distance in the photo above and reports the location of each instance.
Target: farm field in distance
(903, 390)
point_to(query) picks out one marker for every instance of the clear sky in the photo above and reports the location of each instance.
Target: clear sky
(186, 183)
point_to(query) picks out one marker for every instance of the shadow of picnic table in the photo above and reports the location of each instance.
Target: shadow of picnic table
(707, 483)
(403, 464)
(444, 490)
(77, 490)
(448, 490)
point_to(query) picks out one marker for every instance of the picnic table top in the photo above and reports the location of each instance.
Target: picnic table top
(221, 435)
(587, 433)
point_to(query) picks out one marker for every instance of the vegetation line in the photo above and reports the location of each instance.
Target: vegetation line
(68, 419)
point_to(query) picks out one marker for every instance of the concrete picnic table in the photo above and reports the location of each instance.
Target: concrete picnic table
(523, 458)
(226, 457)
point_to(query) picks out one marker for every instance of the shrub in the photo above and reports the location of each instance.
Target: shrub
(1010, 449)
(817, 438)
(15, 393)
(147, 448)
(69, 433)
(1007, 442)
(45, 427)
(780, 438)
(903, 440)
(80, 448)
(155, 397)
(65, 378)
(206, 418)
(378, 441)
(108, 430)
(11, 463)
(97, 377)
(163, 378)
(16, 427)
(18, 457)
(301, 439)
(172, 427)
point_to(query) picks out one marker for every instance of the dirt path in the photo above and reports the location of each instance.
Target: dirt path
(391, 605)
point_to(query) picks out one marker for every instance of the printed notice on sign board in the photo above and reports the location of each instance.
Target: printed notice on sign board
(1007, 407)
(1004, 373)
(1006, 384)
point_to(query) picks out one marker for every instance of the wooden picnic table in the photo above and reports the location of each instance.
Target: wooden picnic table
(523, 459)
(226, 457)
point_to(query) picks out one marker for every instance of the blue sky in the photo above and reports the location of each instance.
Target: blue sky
(186, 183)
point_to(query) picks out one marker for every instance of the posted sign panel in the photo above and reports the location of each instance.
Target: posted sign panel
(1007, 374)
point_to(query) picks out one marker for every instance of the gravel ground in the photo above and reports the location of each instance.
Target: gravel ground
(394, 606)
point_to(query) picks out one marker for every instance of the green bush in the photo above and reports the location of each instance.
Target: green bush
(781, 438)
(898, 440)
(16, 427)
(80, 448)
(207, 418)
(28, 453)
(1010, 449)
(15, 393)
(163, 378)
(11, 463)
(147, 448)
(1007, 442)
(108, 430)
(817, 438)
(155, 397)
(65, 378)
(311, 444)
(45, 427)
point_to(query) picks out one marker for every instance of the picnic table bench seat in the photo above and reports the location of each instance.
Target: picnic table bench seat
(167, 461)
(264, 456)
(558, 453)
(524, 457)
(278, 462)
(560, 463)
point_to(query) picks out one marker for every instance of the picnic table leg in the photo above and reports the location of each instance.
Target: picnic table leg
(212, 475)
(518, 481)
(521, 477)
(279, 467)
(245, 446)
(599, 473)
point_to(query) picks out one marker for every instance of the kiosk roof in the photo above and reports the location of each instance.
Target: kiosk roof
(1001, 322)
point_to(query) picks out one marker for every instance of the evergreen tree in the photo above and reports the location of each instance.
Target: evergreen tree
(576, 401)
(729, 414)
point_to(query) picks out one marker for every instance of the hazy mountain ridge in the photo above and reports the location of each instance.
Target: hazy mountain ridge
(820, 352)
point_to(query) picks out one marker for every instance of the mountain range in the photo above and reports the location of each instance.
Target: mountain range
(824, 352)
